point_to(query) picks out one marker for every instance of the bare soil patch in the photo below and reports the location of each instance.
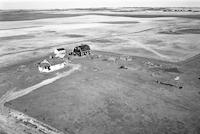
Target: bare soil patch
(182, 31)
(16, 37)
(28, 15)
(154, 41)
(101, 41)
(73, 35)
(120, 22)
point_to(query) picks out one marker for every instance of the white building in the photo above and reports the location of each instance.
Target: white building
(60, 52)
(51, 65)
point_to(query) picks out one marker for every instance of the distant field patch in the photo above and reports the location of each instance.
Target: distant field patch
(25, 47)
(20, 27)
(101, 41)
(3, 132)
(177, 46)
(50, 31)
(120, 22)
(154, 41)
(182, 31)
(10, 49)
(31, 15)
(189, 31)
(172, 70)
(137, 51)
(16, 37)
(74, 35)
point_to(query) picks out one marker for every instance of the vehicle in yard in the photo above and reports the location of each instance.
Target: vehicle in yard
(81, 50)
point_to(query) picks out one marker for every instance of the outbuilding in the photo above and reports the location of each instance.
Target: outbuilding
(60, 52)
(82, 50)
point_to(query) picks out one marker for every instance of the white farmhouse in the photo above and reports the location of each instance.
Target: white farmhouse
(51, 65)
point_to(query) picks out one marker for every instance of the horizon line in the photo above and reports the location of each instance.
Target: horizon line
(74, 8)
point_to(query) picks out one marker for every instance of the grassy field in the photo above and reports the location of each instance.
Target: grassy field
(143, 76)
(104, 98)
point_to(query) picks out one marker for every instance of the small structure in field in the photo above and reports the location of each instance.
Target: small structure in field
(125, 58)
(50, 65)
(60, 52)
(82, 50)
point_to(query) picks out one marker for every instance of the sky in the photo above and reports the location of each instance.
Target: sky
(64, 4)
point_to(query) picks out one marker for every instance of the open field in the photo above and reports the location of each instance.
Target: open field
(143, 76)
(104, 98)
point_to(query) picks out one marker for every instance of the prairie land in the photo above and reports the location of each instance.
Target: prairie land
(142, 77)
(165, 37)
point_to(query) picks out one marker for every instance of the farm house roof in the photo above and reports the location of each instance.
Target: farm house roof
(60, 49)
(53, 61)
(44, 65)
